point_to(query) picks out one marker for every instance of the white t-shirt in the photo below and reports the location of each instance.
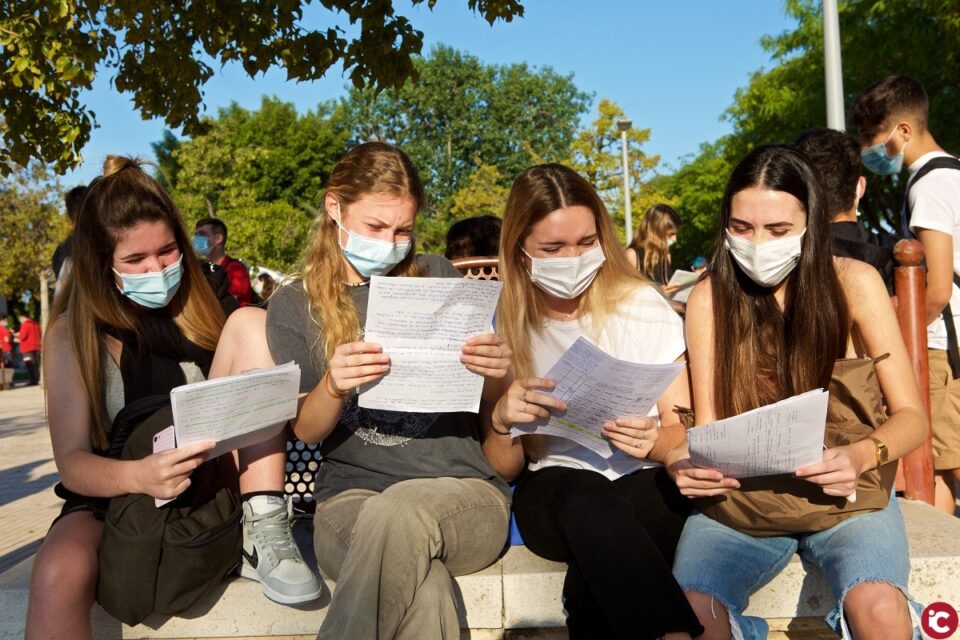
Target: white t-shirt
(646, 330)
(935, 205)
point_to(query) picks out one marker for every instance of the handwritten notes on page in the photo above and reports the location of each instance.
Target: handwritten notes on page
(599, 388)
(422, 323)
(236, 411)
(776, 438)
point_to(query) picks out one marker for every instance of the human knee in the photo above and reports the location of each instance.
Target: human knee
(712, 615)
(878, 610)
(63, 571)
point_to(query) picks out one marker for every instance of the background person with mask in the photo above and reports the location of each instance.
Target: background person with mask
(210, 243)
(891, 116)
(649, 250)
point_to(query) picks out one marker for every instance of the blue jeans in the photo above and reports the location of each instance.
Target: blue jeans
(730, 566)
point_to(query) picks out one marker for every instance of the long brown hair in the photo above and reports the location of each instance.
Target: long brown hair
(764, 353)
(121, 198)
(651, 239)
(370, 168)
(536, 193)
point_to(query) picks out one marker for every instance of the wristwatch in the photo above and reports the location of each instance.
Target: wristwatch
(883, 455)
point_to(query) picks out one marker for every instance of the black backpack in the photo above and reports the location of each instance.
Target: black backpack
(953, 346)
(164, 559)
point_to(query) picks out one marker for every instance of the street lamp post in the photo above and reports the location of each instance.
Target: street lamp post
(624, 124)
(833, 69)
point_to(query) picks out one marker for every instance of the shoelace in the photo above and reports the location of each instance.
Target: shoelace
(274, 530)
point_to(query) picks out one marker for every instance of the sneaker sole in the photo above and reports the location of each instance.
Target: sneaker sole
(246, 571)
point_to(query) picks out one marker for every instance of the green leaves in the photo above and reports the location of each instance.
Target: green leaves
(162, 53)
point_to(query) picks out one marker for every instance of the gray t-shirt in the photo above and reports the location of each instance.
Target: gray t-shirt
(373, 449)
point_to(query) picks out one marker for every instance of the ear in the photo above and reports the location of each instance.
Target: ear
(861, 187)
(331, 205)
(906, 130)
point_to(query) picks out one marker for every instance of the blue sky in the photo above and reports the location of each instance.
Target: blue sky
(672, 65)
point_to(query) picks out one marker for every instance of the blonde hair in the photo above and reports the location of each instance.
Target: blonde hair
(535, 194)
(121, 198)
(370, 168)
(651, 238)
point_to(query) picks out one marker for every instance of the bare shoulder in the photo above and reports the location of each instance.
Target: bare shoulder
(701, 297)
(859, 279)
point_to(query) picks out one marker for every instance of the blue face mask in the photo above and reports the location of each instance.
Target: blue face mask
(372, 257)
(201, 245)
(152, 290)
(875, 158)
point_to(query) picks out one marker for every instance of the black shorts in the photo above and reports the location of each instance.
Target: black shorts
(74, 502)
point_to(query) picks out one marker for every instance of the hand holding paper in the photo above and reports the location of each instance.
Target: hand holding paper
(598, 389)
(777, 438)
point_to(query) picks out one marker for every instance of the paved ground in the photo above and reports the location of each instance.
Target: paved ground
(27, 474)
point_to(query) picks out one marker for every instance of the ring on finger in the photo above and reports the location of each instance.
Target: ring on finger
(638, 443)
(500, 354)
(524, 396)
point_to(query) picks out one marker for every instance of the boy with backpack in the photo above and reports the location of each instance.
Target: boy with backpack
(891, 116)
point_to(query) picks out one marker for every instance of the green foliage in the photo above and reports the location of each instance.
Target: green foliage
(30, 228)
(271, 234)
(163, 54)
(270, 164)
(462, 114)
(598, 157)
(920, 38)
(484, 194)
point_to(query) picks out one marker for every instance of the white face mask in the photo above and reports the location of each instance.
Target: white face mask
(767, 263)
(566, 278)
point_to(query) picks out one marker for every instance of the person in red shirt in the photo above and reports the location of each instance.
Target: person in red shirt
(29, 337)
(6, 343)
(210, 242)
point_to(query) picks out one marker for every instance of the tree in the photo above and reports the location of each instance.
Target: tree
(30, 228)
(463, 114)
(163, 53)
(251, 165)
(484, 194)
(597, 156)
(262, 172)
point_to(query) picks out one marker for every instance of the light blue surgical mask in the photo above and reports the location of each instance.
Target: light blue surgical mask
(875, 158)
(152, 290)
(201, 245)
(369, 256)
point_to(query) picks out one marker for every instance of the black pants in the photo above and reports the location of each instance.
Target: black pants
(618, 539)
(31, 360)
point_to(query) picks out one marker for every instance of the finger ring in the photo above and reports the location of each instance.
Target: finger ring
(524, 396)
(526, 407)
(500, 354)
(500, 338)
(637, 445)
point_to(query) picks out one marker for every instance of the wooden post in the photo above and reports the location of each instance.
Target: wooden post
(910, 286)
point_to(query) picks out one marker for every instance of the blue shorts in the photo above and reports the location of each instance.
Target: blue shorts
(730, 566)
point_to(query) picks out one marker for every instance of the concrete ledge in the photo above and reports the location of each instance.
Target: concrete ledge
(517, 597)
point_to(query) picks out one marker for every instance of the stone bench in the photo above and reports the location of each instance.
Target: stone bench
(517, 597)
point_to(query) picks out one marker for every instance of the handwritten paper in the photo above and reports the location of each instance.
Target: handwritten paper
(599, 388)
(684, 281)
(236, 411)
(776, 438)
(422, 323)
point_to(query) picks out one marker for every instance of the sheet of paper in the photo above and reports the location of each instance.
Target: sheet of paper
(685, 281)
(236, 411)
(598, 388)
(164, 441)
(422, 323)
(777, 438)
